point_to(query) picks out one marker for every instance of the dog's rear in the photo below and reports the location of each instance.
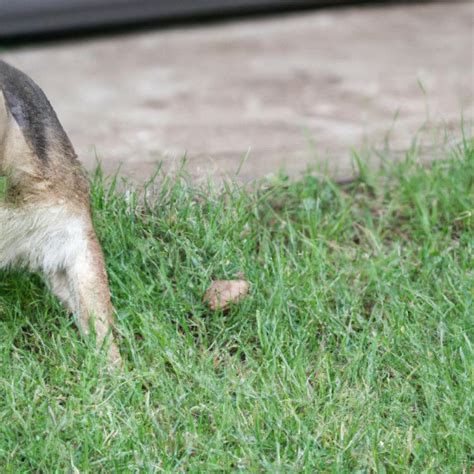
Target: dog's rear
(45, 221)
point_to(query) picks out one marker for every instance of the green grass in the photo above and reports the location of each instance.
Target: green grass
(352, 352)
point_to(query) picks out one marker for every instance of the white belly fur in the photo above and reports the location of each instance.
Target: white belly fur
(40, 239)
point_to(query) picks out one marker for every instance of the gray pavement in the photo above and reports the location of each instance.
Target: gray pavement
(290, 90)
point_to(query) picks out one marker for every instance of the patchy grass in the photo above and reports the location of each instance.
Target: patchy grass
(353, 350)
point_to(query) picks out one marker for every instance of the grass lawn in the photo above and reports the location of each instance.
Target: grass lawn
(352, 352)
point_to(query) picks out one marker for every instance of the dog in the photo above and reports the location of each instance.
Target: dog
(45, 216)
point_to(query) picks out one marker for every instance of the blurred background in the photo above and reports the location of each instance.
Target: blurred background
(284, 83)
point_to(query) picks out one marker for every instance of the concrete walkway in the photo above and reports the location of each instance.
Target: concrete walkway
(293, 89)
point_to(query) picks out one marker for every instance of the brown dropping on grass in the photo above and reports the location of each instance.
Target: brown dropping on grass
(224, 292)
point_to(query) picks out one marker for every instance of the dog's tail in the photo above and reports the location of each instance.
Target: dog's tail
(29, 107)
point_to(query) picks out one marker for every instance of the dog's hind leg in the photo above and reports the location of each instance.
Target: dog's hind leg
(62, 243)
(3, 218)
(60, 287)
(90, 297)
(9, 230)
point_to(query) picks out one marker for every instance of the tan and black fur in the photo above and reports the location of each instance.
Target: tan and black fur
(45, 220)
